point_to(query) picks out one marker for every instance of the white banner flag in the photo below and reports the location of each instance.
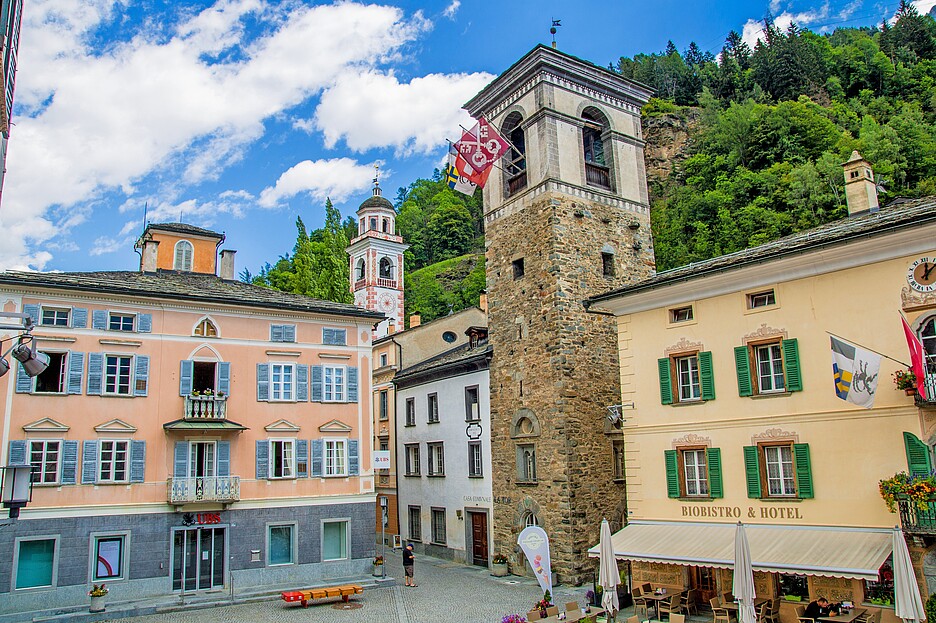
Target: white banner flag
(535, 544)
(855, 372)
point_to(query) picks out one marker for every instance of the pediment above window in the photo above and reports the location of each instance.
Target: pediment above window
(282, 426)
(115, 426)
(335, 426)
(45, 425)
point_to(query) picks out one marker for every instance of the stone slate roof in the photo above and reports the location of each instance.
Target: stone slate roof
(173, 285)
(376, 201)
(898, 215)
(461, 359)
(185, 229)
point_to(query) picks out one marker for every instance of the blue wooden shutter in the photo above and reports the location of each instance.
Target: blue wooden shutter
(75, 372)
(318, 447)
(672, 473)
(328, 336)
(186, 370)
(289, 333)
(69, 462)
(276, 333)
(95, 373)
(99, 319)
(18, 452)
(79, 317)
(137, 461)
(666, 381)
(24, 382)
(89, 453)
(302, 458)
(743, 366)
(144, 323)
(180, 462)
(317, 388)
(141, 378)
(707, 375)
(263, 459)
(263, 382)
(224, 378)
(224, 458)
(352, 385)
(33, 312)
(791, 365)
(804, 484)
(752, 471)
(302, 383)
(353, 463)
(716, 489)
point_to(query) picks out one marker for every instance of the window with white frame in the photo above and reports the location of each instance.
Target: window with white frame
(282, 381)
(412, 459)
(436, 458)
(335, 539)
(35, 562)
(433, 408)
(781, 479)
(121, 322)
(695, 472)
(53, 379)
(688, 382)
(282, 458)
(45, 456)
(118, 373)
(206, 328)
(336, 457)
(475, 463)
(54, 316)
(768, 361)
(281, 544)
(108, 557)
(334, 383)
(183, 255)
(761, 299)
(438, 526)
(113, 461)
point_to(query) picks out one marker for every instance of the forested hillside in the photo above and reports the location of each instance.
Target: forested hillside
(764, 132)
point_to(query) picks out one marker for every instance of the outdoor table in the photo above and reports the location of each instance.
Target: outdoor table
(853, 614)
(758, 602)
(575, 615)
(656, 599)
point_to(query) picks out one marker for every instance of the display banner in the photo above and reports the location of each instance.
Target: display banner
(535, 544)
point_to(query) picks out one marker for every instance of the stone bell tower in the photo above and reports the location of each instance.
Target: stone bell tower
(566, 218)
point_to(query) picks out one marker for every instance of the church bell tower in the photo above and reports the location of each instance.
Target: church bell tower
(566, 217)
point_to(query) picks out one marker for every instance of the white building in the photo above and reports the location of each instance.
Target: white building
(444, 449)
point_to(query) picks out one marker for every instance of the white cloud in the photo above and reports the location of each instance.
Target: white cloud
(754, 29)
(338, 179)
(106, 244)
(924, 6)
(451, 9)
(372, 109)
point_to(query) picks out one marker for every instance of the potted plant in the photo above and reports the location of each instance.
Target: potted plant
(918, 489)
(906, 380)
(97, 594)
(514, 618)
(543, 604)
(378, 566)
(499, 566)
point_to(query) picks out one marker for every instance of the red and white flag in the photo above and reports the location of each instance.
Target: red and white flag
(481, 146)
(916, 357)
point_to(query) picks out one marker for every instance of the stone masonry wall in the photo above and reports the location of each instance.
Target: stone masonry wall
(561, 363)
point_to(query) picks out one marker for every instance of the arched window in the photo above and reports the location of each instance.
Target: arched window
(359, 271)
(373, 223)
(529, 519)
(361, 227)
(386, 226)
(515, 174)
(183, 255)
(928, 337)
(206, 328)
(597, 165)
(386, 268)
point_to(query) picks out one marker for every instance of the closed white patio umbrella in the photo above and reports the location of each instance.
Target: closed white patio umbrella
(907, 601)
(608, 576)
(743, 584)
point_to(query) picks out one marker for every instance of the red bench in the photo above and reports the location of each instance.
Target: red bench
(304, 597)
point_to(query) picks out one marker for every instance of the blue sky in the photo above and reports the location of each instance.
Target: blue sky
(239, 115)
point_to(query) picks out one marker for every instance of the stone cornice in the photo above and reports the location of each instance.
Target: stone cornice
(526, 198)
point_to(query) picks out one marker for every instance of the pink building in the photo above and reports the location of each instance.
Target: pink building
(190, 431)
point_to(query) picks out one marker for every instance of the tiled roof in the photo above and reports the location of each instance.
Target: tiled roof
(453, 358)
(901, 214)
(185, 229)
(172, 285)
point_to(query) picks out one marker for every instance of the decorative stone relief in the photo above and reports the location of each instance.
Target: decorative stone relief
(692, 439)
(764, 332)
(911, 300)
(683, 346)
(775, 434)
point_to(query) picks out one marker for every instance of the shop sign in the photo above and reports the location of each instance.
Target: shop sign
(791, 513)
(200, 519)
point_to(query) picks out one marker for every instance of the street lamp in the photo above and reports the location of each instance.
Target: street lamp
(17, 488)
(24, 350)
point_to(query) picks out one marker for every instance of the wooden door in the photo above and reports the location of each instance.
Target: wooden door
(479, 539)
(702, 579)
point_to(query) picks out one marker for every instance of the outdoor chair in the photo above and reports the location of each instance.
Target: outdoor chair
(875, 617)
(572, 606)
(727, 598)
(533, 615)
(646, 587)
(721, 615)
(763, 612)
(801, 615)
(677, 618)
(692, 602)
(637, 592)
(641, 610)
(552, 611)
(674, 606)
(633, 619)
(799, 611)
(773, 612)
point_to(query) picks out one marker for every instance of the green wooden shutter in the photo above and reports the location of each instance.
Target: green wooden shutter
(752, 471)
(791, 366)
(918, 455)
(743, 364)
(707, 376)
(716, 490)
(672, 473)
(804, 486)
(666, 382)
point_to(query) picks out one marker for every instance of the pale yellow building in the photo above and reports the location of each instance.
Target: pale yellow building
(731, 414)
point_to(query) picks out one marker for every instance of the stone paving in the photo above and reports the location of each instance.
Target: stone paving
(447, 593)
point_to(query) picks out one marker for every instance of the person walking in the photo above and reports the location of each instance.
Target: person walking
(408, 559)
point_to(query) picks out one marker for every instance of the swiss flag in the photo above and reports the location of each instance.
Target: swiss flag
(478, 178)
(481, 146)
(916, 357)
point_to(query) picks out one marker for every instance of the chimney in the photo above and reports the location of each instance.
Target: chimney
(227, 264)
(482, 302)
(414, 321)
(860, 189)
(148, 257)
(391, 327)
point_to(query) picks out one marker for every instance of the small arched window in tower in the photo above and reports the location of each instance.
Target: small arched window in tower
(360, 272)
(386, 226)
(386, 268)
(597, 169)
(607, 261)
(206, 328)
(183, 255)
(373, 223)
(515, 174)
(361, 229)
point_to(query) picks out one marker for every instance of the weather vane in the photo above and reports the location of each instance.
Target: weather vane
(376, 178)
(552, 30)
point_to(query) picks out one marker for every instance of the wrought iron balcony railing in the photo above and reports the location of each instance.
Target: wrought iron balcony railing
(916, 520)
(929, 386)
(205, 408)
(204, 489)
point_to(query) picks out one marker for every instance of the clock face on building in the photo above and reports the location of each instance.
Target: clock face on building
(385, 302)
(360, 298)
(922, 274)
